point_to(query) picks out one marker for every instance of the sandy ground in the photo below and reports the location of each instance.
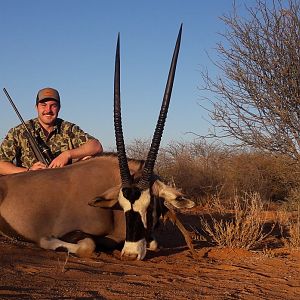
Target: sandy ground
(28, 272)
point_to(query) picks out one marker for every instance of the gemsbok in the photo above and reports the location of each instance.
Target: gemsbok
(106, 199)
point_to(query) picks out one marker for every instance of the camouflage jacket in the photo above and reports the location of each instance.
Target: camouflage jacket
(16, 148)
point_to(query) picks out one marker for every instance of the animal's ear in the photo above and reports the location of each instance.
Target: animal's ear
(108, 199)
(171, 195)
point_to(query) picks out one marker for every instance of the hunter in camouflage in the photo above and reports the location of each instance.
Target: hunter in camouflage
(53, 142)
(65, 136)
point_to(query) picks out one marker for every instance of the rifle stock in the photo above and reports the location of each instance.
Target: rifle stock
(41, 153)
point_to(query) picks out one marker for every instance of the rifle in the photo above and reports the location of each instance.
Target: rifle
(41, 151)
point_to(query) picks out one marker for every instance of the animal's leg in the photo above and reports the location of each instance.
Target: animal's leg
(173, 218)
(83, 248)
(108, 242)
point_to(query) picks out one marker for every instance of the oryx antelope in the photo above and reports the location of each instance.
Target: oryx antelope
(106, 198)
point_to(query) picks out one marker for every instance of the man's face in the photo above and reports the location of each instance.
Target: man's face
(48, 112)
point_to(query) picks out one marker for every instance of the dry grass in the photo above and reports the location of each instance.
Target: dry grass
(289, 223)
(293, 241)
(243, 229)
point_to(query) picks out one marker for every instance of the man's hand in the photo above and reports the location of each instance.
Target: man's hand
(37, 166)
(61, 160)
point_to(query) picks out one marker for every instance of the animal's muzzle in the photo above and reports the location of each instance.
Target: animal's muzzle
(134, 250)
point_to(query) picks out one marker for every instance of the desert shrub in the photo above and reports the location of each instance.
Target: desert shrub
(203, 169)
(272, 177)
(289, 223)
(293, 200)
(194, 167)
(138, 148)
(293, 240)
(242, 228)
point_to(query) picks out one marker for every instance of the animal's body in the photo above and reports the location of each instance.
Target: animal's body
(45, 206)
(54, 202)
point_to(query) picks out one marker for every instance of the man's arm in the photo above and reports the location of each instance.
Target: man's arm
(90, 148)
(8, 150)
(9, 168)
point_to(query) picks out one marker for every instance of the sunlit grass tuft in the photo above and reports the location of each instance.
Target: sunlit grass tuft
(244, 228)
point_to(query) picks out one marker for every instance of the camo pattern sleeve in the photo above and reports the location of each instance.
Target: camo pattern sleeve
(15, 148)
(8, 147)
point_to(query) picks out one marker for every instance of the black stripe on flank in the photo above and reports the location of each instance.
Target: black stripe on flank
(135, 229)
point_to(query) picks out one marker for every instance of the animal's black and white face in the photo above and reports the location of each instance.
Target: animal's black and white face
(142, 209)
(135, 204)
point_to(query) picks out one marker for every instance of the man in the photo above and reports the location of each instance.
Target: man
(65, 140)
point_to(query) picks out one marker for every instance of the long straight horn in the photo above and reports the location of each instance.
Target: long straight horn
(150, 162)
(123, 164)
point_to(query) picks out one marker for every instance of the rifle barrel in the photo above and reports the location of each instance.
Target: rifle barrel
(32, 141)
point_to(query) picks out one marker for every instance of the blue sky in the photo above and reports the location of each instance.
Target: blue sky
(70, 45)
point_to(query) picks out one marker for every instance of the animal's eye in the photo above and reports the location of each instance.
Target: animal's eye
(181, 198)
